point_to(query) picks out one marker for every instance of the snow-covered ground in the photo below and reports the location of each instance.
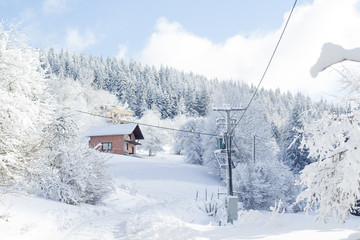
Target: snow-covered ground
(155, 199)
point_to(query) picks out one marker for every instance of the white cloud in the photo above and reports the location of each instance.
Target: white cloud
(245, 58)
(77, 42)
(54, 6)
(122, 51)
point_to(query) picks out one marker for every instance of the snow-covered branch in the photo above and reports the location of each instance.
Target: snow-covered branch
(332, 54)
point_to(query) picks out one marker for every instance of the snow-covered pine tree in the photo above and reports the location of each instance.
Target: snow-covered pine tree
(290, 153)
(140, 104)
(121, 82)
(150, 83)
(202, 102)
(190, 106)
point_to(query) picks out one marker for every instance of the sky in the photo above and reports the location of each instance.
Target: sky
(223, 39)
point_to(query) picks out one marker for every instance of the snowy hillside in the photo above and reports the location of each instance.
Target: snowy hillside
(155, 198)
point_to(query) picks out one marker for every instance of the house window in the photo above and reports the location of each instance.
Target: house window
(106, 146)
(127, 146)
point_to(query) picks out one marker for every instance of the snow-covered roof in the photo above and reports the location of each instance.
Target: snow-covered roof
(112, 129)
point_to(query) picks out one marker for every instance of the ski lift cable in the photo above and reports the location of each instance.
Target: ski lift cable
(154, 126)
(267, 67)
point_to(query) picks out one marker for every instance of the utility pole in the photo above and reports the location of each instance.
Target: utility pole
(253, 149)
(231, 200)
(228, 138)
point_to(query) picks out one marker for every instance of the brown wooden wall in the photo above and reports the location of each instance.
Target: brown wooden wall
(118, 145)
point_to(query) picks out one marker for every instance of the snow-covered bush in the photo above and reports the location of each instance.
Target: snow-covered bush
(152, 143)
(41, 149)
(261, 184)
(23, 110)
(76, 173)
(258, 184)
(332, 184)
(79, 96)
(189, 141)
(154, 137)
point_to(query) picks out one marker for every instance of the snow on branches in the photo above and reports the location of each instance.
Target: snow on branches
(75, 172)
(332, 54)
(23, 110)
(41, 148)
(332, 182)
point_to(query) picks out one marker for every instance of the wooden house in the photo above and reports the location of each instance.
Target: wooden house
(115, 115)
(117, 139)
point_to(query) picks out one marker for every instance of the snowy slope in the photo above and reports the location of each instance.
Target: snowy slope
(155, 199)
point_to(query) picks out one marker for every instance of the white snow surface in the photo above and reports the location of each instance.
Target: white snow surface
(111, 129)
(332, 54)
(155, 199)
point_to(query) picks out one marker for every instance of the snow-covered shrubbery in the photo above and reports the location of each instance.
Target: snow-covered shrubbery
(23, 111)
(190, 142)
(261, 184)
(155, 138)
(75, 173)
(332, 182)
(41, 148)
(258, 184)
(160, 134)
(80, 96)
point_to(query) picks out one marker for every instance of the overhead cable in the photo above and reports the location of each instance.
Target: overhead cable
(267, 67)
(154, 126)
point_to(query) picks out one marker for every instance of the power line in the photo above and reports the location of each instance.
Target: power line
(248, 105)
(149, 125)
(267, 67)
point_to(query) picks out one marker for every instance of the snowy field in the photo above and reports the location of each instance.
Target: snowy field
(156, 199)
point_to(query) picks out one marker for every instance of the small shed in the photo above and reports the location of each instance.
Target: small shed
(117, 139)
